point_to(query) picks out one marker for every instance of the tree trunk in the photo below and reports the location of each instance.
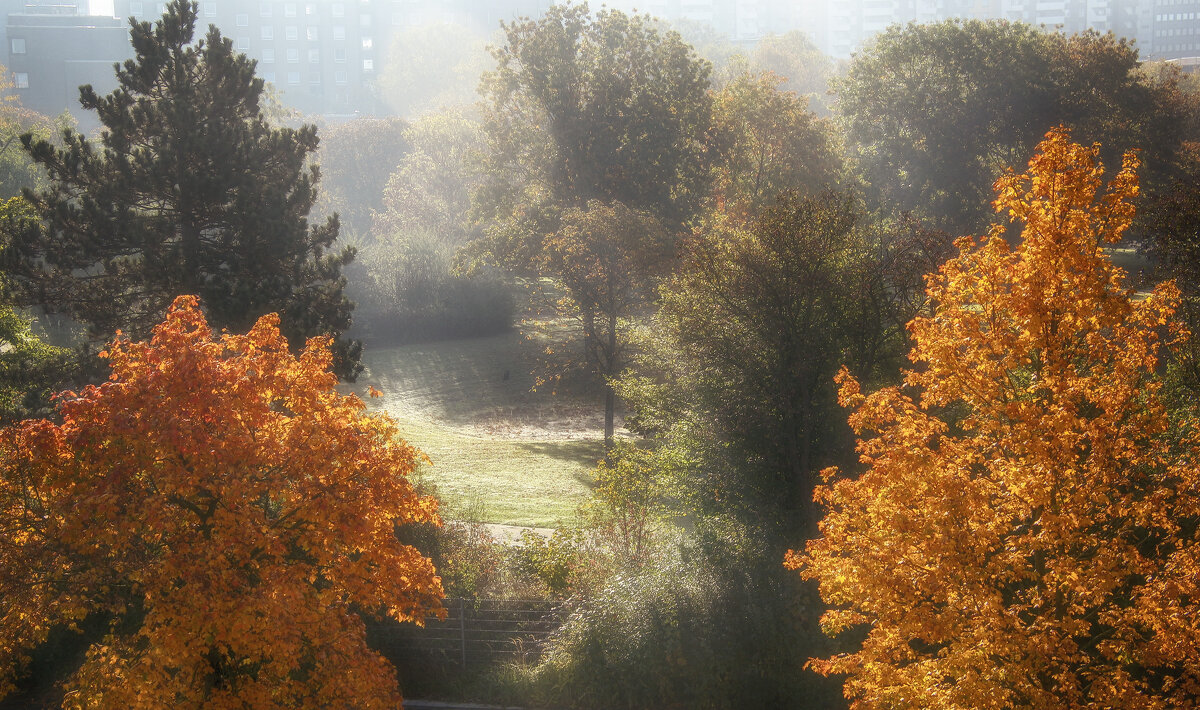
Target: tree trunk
(610, 397)
(610, 405)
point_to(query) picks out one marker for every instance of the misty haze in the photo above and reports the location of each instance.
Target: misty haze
(672, 354)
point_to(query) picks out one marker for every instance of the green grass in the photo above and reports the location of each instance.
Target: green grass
(523, 458)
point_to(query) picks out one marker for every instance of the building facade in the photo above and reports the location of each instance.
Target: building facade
(1175, 29)
(52, 50)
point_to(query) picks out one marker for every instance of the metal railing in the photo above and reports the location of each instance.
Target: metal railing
(478, 631)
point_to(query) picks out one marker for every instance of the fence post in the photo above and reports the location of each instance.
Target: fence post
(462, 629)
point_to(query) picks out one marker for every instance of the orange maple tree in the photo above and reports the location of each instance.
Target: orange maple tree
(1025, 532)
(228, 513)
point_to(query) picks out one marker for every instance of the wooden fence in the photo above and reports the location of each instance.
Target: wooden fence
(476, 632)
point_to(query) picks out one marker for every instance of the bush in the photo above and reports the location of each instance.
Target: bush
(718, 625)
(568, 563)
(411, 293)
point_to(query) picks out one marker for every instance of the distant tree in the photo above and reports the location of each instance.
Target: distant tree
(597, 127)
(188, 190)
(732, 399)
(225, 515)
(17, 170)
(805, 69)
(933, 114)
(357, 158)
(1169, 221)
(434, 67)
(600, 107)
(430, 188)
(908, 250)
(425, 218)
(768, 142)
(710, 44)
(30, 370)
(1025, 532)
(1174, 220)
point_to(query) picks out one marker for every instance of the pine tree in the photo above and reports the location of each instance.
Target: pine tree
(188, 190)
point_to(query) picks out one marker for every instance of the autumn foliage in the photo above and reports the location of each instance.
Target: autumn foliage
(227, 513)
(1025, 532)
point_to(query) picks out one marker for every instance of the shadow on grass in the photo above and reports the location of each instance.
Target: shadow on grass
(581, 452)
(461, 381)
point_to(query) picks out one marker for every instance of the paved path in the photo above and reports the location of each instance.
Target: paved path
(511, 534)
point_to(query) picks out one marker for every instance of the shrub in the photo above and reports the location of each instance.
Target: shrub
(712, 626)
(410, 292)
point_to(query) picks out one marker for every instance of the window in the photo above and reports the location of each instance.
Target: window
(136, 8)
(364, 20)
(310, 9)
(293, 77)
(264, 9)
(268, 32)
(314, 56)
(312, 34)
(269, 76)
(243, 20)
(339, 55)
(339, 77)
(18, 45)
(368, 65)
(338, 9)
(397, 18)
(242, 44)
(314, 77)
(289, 9)
(339, 33)
(291, 33)
(293, 56)
(366, 42)
(268, 56)
(210, 9)
(21, 80)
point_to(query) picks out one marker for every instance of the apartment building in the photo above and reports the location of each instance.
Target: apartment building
(322, 56)
(1175, 29)
(53, 49)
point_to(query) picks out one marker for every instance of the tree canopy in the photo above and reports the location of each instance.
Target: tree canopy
(933, 114)
(805, 69)
(767, 142)
(596, 107)
(738, 375)
(187, 190)
(30, 370)
(1025, 532)
(17, 171)
(429, 190)
(357, 158)
(227, 516)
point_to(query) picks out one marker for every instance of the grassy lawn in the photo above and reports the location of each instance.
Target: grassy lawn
(501, 454)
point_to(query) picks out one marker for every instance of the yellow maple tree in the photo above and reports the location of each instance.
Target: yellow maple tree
(230, 515)
(1024, 534)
